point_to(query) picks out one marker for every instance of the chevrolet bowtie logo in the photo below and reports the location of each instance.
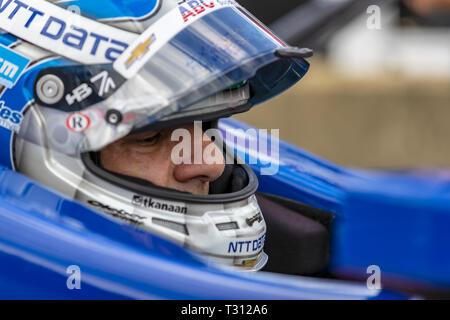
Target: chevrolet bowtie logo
(140, 51)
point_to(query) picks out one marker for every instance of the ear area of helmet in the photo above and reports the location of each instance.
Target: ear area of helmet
(75, 88)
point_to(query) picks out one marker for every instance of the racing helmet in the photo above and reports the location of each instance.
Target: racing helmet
(79, 75)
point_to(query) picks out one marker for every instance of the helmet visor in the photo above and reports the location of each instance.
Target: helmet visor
(219, 50)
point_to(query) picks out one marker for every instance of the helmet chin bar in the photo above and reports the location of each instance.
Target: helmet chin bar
(227, 228)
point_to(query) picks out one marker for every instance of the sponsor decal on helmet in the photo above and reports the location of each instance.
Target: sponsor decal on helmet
(165, 29)
(122, 214)
(106, 82)
(12, 65)
(247, 246)
(58, 30)
(193, 8)
(147, 202)
(75, 88)
(85, 90)
(79, 94)
(78, 122)
(140, 50)
(9, 119)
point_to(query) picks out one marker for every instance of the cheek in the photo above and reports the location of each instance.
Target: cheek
(154, 166)
(111, 158)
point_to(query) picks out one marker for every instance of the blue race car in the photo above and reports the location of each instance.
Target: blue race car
(92, 91)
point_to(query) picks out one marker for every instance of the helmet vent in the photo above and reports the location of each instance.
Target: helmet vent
(178, 227)
(227, 226)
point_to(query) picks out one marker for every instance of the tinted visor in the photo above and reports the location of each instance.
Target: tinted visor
(219, 51)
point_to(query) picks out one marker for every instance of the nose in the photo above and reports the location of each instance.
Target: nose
(205, 170)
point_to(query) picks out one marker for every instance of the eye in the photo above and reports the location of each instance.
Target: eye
(149, 140)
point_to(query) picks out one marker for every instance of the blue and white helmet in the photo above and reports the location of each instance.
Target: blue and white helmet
(78, 75)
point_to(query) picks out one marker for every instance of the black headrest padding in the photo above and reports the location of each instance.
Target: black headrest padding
(297, 242)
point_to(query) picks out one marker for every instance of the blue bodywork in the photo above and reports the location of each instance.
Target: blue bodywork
(398, 222)
(43, 233)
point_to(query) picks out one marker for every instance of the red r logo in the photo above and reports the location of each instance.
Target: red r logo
(78, 122)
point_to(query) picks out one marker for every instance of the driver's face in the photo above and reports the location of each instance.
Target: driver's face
(147, 156)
